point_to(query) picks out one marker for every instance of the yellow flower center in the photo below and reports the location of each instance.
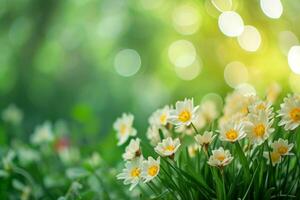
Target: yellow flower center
(231, 134)
(152, 171)
(295, 114)
(261, 107)
(184, 116)
(169, 148)
(135, 172)
(245, 110)
(259, 130)
(282, 150)
(275, 157)
(163, 118)
(221, 157)
(123, 129)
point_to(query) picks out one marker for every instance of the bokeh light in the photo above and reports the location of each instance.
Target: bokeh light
(294, 59)
(271, 8)
(127, 62)
(231, 24)
(186, 19)
(190, 72)
(286, 40)
(250, 39)
(222, 5)
(182, 53)
(216, 98)
(235, 73)
(246, 89)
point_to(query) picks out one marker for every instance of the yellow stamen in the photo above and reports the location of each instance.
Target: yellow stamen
(259, 130)
(169, 148)
(221, 157)
(152, 171)
(123, 129)
(231, 134)
(295, 114)
(275, 157)
(282, 150)
(261, 107)
(135, 172)
(184, 116)
(163, 118)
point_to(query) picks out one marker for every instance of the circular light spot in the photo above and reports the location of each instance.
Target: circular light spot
(294, 59)
(235, 73)
(222, 5)
(287, 39)
(217, 99)
(246, 89)
(190, 72)
(294, 81)
(186, 19)
(127, 62)
(182, 53)
(250, 39)
(231, 24)
(271, 8)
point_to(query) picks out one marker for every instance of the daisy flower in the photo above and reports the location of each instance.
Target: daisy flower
(209, 111)
(199, 122)
(282, 147)
(192, 150)
(150, 168)
(220, 158)
(261, 106)
(275, 157)
(205, 139)
(132, 150)
(273, 92)
(42, 134)
(167, 147)
(184, 113)
(232, 131)
(258, 128)
(132, 172)
(160, 117)
(290, 112)
(123, 126)
(153, 135)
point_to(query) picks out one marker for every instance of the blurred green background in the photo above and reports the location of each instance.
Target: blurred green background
(87, 61)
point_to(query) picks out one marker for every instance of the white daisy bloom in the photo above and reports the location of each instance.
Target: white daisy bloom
(237, 103)
(232, 131)
(261, 106)
(153, 135)
(123, 126)
(209, 111)
(290, 112)
(192, 150)
(150, 168)
(167, 147)
(220, 158)
(275, 157)
(160, 117)
(282, 147)
(258, 128)
(273, 92)
(199, 122)
(42, 134)
(205, 139)
(132, 150)
(132, 172)
(184, 113)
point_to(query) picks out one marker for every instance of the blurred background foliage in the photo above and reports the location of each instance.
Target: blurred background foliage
(87, 61)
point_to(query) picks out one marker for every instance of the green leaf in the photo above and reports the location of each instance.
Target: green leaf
(243, 161)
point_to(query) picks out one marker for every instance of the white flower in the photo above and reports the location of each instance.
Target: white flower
(258, 128)
(205, 139)
(261, 106)
(290, 112)
(209, 111)
(123, 126)
(184, 113)
(153, 135)
(192, 149)
(167, 147)
(12, 114)
(132, 150)
(220, 158)
(199, 122)
(160, 117)
(232, 131)
(132, 172)
(282, 147)
(150, 169)
(275, 157)
(42, 134)
(273, 92)
(236, 103)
